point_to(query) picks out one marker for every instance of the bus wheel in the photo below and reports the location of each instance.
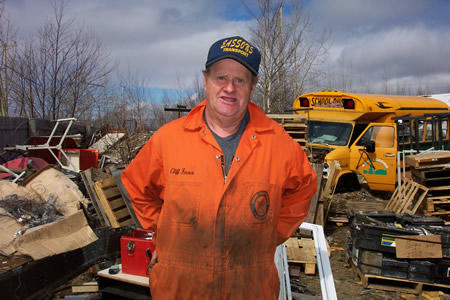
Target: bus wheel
(348, 183)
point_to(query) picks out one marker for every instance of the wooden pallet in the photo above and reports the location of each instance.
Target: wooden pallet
(427, 160)
(407, 198)
(112, 202)
(302, 251)
(434, 203)
(295, 125)
(393, 284)
(88, 180)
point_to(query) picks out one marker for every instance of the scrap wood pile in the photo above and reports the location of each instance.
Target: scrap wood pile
(65, 221)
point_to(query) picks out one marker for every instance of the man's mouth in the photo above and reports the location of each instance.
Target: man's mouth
(228, 99)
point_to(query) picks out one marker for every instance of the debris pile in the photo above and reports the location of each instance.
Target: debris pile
(399, 252)
(61, 210)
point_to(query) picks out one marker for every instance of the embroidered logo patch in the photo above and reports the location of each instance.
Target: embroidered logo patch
(260, 204)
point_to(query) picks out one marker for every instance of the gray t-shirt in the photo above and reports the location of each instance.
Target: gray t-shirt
(230, 143)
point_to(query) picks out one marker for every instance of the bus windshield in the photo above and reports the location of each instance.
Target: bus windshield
(329, 133)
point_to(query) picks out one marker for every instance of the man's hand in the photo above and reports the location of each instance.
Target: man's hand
(153, 261)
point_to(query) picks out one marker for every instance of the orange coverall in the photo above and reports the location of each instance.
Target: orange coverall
(216, 238)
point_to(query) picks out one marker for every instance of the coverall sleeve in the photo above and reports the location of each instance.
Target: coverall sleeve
(300, 187)
(143, 179)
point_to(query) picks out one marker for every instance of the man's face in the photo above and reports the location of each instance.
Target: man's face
(229, 88)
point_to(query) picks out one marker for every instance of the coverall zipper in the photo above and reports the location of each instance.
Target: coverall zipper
(222, 162)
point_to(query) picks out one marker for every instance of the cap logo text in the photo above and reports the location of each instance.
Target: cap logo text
(238, 46)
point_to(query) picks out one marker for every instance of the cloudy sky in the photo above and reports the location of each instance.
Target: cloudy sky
(403, 40)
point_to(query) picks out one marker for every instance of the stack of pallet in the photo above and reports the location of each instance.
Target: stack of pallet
(432, 170)
(295, 126)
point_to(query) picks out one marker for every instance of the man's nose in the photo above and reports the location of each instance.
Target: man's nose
(230, 86)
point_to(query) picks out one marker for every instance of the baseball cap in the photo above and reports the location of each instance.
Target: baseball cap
(236, 48)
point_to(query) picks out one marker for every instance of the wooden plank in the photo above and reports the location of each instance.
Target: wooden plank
(126, 197)
(440, 213)
(424, 159)
(439, 188)
(107, 183)
(300, 118)
(377, 282)
(115, 204)
(127, 222)
(111, 192)
(122, 213)
(87, 287)
(405, 195)
(318, 169)
(111, 199)
(300, 255)
(330, 187)
(123, 277)
(433, 166)
(302, 251)
(106, 205)
(86, 176)
(419, 200)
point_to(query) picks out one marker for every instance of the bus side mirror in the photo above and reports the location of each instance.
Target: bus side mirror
(370, 147)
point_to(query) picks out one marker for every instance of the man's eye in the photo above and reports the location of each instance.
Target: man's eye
(221, 78)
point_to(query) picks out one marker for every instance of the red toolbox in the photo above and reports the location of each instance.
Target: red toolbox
(136, 250)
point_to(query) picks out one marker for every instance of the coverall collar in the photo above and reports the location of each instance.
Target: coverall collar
(258, 121)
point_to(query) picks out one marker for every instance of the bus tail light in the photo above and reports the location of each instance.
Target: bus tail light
(304, 102)
(349, 104)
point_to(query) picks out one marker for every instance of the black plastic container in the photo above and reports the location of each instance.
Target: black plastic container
(394, 268)
(419, 220)
(379, 238)
(443, 272)
(378, 216)
(421, 270)
(370, 262)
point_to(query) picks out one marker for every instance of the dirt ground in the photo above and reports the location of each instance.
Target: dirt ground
(348, 284)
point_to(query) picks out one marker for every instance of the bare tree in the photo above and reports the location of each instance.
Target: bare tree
(291, 52)
(8, 43)
(135, 104)
(62, 70)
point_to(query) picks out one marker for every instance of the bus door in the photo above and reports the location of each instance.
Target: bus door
(374, 155)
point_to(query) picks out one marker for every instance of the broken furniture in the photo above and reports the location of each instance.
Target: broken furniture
(71, 159)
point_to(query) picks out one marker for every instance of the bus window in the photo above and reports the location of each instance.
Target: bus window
(444, 125)
(329, 133)
(429, 134)
(421, 130)
(382, 135)
(404, 131)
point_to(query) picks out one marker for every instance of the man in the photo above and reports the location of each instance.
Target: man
(221, 187)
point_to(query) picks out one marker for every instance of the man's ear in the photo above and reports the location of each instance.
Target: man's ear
(204, 81)
(254, 84)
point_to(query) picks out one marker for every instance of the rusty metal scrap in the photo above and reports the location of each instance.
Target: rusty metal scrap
(30, 212)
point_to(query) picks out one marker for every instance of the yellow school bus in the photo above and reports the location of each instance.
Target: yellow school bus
(367, 132)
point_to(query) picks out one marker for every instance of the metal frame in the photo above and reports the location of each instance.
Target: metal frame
(323, 265)
(47, 146)
(17, 177)
(323, 262)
